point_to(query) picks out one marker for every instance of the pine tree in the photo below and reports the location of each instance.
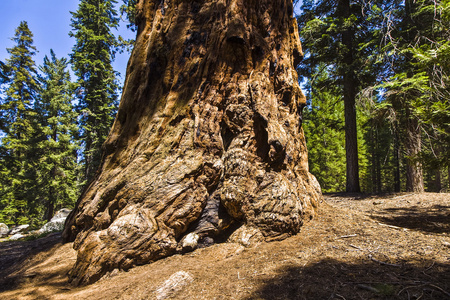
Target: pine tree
(91, 58)
(19, 121)
(408, 89)
(431, 53)
(333, 33)
(324, 131)
(57, 164)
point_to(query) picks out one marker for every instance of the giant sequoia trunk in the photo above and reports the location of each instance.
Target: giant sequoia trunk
(207, 139)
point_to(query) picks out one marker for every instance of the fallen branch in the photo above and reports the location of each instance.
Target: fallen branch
(356, 247)
(368, 288)
(340, 296)
(346, 236)
(383, 263)
(439, 289)
(392, 226)
(403, 196)
(426, 284)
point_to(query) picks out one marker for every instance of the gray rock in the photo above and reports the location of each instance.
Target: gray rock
(61, 214)
(3, 229)
(18, 229)
(56, 223)
(16, 237)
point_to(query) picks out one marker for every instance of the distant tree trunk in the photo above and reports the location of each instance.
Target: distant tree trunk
(374, 158)
(350, 84)
(50, 204)
(437, 171)
(413, 146)
(437, 180)
(397, 183)
(413, 140)
(379, 183)
(208, 134)
(448, 178)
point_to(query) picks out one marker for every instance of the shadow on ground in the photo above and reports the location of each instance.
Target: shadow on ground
(332, 279)
(434, 219)
(14, 255)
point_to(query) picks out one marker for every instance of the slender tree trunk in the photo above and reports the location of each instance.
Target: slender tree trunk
(208, 133)
(350, 85)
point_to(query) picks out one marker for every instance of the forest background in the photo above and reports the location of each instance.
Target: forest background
(375, 73)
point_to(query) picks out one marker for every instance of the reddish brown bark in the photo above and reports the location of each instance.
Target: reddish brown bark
(208, 137)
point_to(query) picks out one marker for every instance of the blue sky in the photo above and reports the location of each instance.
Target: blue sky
(49, 21)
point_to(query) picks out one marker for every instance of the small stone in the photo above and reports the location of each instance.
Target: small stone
(190, 242)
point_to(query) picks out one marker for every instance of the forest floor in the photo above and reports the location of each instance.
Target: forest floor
(357, 247)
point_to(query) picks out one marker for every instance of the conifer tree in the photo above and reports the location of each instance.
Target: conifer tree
(92, 58)
(19, 120)
(57, 164)
(408, 90)
(324, 131)
(431, 53)
(332, 33)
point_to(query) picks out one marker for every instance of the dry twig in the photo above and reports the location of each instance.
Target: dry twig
(383, 263)
(346, 236)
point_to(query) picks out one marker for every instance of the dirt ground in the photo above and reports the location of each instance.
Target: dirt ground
(358, 247)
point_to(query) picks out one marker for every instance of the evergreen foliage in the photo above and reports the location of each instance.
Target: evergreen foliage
(3, 76)
(324, 131)
(401, 54)
(20, 128)
(128, 8)
(57, 184)
(91, 59)
(333, 32)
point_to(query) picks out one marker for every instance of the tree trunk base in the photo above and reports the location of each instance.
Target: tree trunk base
(207, 139)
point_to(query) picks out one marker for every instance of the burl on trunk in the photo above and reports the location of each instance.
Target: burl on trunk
(207, 139)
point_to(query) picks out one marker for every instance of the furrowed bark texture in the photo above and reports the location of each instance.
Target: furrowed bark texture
(208, 135)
